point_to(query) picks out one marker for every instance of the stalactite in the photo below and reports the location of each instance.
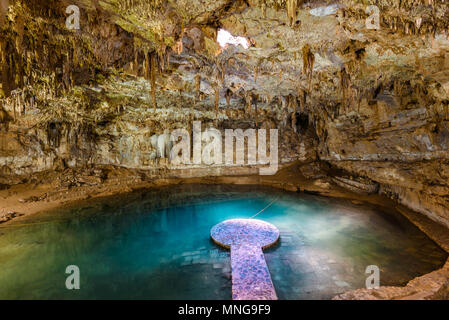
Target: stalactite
(153, 69)
(3, 115)
(292, 7)
(136, 63)
(249, 99)
(308, 59)
(167, 59)
(23, 111)
(3, 70)
(228, 96)
(345, 82)
(217, 97)
(14, 105)
(178, 46)
(53, 134)
(66, 71)
(3, 8)
(163, 57)
(255, 98)
(294, 105)
(398, 88)
(19, 28)
(302, 99)
(147, 68)
(197, 85)
(263, 7)
(255, 74)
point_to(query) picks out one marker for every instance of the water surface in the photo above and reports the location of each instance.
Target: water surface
(156, 245)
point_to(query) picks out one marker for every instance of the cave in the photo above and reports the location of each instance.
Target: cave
(224, 150)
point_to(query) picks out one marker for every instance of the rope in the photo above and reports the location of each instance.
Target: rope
(269, 205)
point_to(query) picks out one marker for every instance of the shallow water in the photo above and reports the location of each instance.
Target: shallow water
(156, 245)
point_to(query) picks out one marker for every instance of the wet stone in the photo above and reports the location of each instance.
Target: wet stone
(246, 238)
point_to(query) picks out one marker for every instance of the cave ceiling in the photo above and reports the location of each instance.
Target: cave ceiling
(322, 48)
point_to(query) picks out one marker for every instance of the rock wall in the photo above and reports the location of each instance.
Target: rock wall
(370, 105)
(399, 140)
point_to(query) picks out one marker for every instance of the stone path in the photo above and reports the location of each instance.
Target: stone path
(246, 238)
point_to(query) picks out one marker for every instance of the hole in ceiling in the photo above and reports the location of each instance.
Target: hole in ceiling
(224, 38)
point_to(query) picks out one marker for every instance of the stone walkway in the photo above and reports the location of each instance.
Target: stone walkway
(246, 238)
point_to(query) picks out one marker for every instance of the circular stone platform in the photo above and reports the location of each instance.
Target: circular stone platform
(252, 232)
(246, 238)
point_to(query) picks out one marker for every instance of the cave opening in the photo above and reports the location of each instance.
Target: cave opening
(225, 38)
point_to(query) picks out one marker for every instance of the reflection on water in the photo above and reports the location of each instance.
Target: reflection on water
(156, 245)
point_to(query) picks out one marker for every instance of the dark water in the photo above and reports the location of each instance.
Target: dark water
(156, 245)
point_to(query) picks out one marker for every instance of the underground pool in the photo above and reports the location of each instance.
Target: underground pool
(155, 244)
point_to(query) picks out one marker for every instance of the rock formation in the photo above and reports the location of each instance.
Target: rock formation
(369, 107)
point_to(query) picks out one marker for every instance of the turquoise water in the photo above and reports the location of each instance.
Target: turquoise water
(156, 245)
